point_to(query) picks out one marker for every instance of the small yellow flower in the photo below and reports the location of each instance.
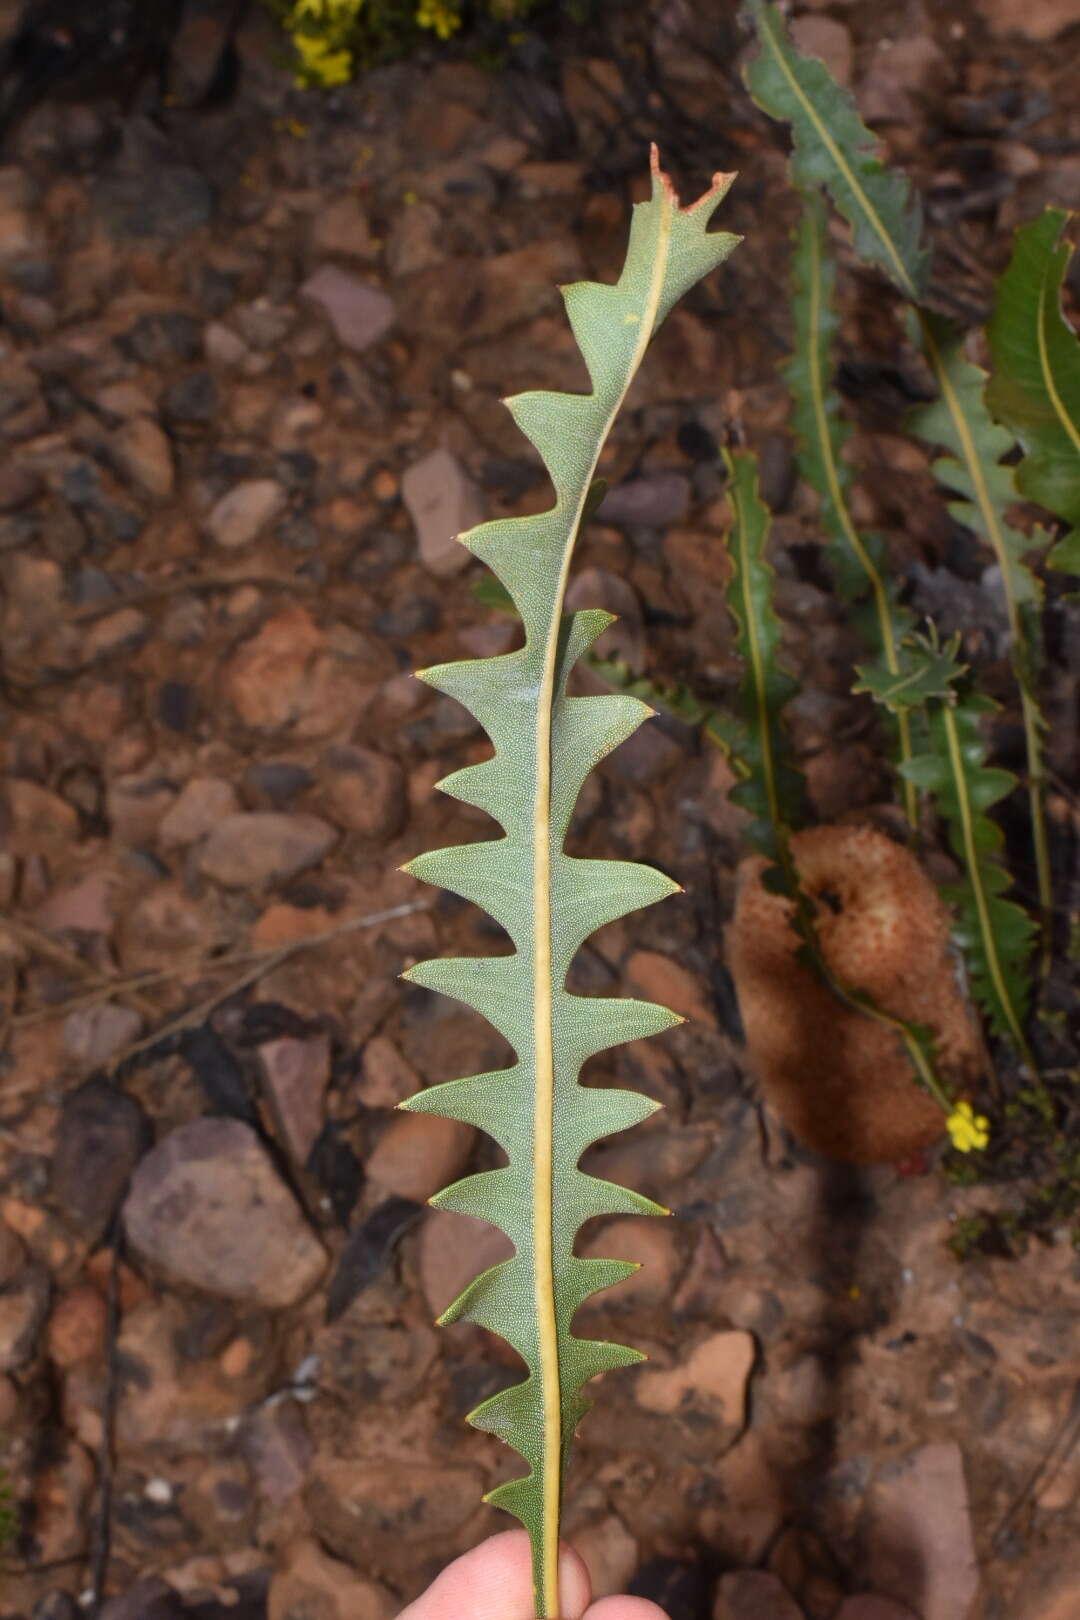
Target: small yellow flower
(320, 64)
(967, 1129)
(439, 16)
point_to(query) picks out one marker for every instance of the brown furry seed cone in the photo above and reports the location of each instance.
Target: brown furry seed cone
(841, 1083)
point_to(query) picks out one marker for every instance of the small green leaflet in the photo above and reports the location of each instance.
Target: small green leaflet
(1035, 385)
(994, 933)
(924, 671)
(546, 742)
(834, 149)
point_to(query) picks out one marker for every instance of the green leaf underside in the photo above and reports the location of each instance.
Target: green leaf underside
(833, 148)
(1035, 386)
(994, 933)
(773, 789)
(821, 432)
(546, 743)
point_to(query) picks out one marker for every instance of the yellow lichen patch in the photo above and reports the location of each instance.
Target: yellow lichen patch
(840, 1082)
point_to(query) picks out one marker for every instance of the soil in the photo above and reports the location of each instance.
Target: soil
(254, 346)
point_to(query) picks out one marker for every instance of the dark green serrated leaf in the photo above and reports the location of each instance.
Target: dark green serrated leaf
(773, 789)
(1035, 385)
(834, 149)
(994, 933)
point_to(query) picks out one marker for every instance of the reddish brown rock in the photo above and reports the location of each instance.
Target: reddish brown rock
(239, 517)
(754, 1594)
(386, 1079)
(76, 1329)
(208, 1209)
(419, 1154)
(256, 848)
(920, 1545)
(443, 502)
(144, 455)
(654, 977)
(310, 1585)
(359, 313)
(710, 1379)
(653, 1244)
(40, 822)
(611, 1555)
(453, 1250)
(296, 1074)
(362, 1505)
(203, 801)
(365, 791)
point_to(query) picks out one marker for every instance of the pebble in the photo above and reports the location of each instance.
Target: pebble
(386, 1079)
(420, 1154)
(654, 1245)
(655, 977)
(340, 227)
(365, 791)
(359, 313)
(652, 502)
(278, 679)
(100, 1137)
(93, 1035)
(308, 1582)
(144, 455)
(829, 41)
(713, 1375)
(363, 1506)
(278, 1449)
(207, 1209)
(135, 804)
(453, 1250)
(625, 640)
(148, 1599)
(20, 236)
(240, 517)
(415, 240)
(76, 1330)
(275, 783)
(754, 1594)
(24, 1305)
(610, 1553)
(121, 632)
(867, 1606)
(203, 801)
(40, 822)
(919, 1520)
(84, 907)
(256, 848)
(443, 502)
(163, 336)
(296, 1074)
(191, 401)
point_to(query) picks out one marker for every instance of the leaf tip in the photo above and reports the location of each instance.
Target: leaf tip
(721, 184)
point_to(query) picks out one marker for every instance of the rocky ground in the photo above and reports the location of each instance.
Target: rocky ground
(252, 363)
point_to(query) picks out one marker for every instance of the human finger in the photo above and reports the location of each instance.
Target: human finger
(494, 1582)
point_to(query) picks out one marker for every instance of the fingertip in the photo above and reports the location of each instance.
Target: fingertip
(624, 1608)
(494, 1582)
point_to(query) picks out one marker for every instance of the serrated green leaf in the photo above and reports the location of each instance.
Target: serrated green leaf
(773, 789)
(1035, 385)
(925, 670)
(546, 742)
(834, 149)
(959, 420)
(821, 433)
(1065, 556)
(994, 933)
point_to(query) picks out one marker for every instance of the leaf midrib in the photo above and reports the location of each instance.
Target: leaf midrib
(543, 989)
